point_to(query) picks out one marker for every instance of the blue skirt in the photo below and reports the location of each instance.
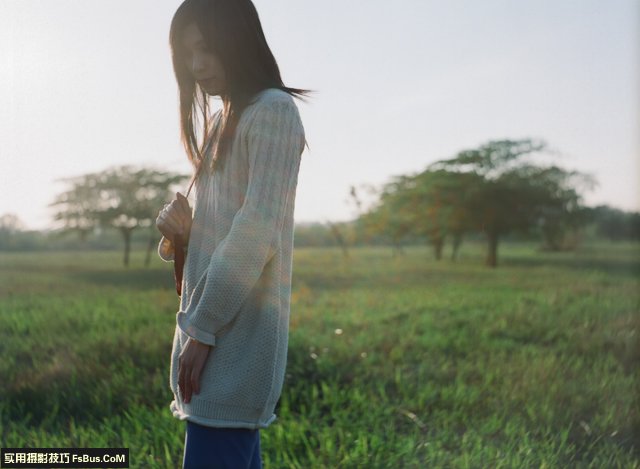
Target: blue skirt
(221, 448)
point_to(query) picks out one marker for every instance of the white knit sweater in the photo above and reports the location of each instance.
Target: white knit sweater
(237, 277)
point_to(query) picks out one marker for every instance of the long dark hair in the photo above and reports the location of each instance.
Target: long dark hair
(232, 30)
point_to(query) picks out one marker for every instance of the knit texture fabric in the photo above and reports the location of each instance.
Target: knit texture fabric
(236, 287)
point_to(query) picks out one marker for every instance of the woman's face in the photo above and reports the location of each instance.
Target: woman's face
(204, 64)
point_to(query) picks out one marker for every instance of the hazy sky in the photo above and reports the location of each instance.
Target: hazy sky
(85, 85)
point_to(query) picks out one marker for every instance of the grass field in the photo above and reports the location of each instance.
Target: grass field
(393, 361)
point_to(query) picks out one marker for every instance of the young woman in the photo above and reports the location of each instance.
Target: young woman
(230, 341)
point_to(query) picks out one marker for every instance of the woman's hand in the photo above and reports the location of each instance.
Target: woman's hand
(175, 218)
(190, 365)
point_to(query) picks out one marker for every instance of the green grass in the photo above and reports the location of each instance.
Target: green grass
(393, 361)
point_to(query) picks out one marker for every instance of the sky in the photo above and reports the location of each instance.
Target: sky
(88, 85)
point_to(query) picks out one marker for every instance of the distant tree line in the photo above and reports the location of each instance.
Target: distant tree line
(56, 240)
(603, 223)
(614, 224)
(490, 193)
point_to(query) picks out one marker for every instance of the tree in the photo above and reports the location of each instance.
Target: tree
(10, 227)
(393, 216)
(77, 206)
(442, 201)
(11, 223)
(511, 195)
(344, 233)
(615, 224)
(430, 205)
(124, 198)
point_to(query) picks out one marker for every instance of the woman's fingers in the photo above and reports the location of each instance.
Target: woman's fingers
(175, 218)
(184, 202)
(190, 366)
(185, 380)
(179, 211)
(170, 222)
(195, 381)
(181, 376)
(187, 387)
(168, 230)
(180, 205)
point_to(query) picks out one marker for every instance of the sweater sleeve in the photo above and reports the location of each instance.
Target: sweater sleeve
(275, 140)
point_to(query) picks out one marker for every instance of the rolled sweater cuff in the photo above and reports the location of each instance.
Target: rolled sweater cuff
(192, 331)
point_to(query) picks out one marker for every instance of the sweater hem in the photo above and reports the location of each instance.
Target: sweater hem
(220, 416)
